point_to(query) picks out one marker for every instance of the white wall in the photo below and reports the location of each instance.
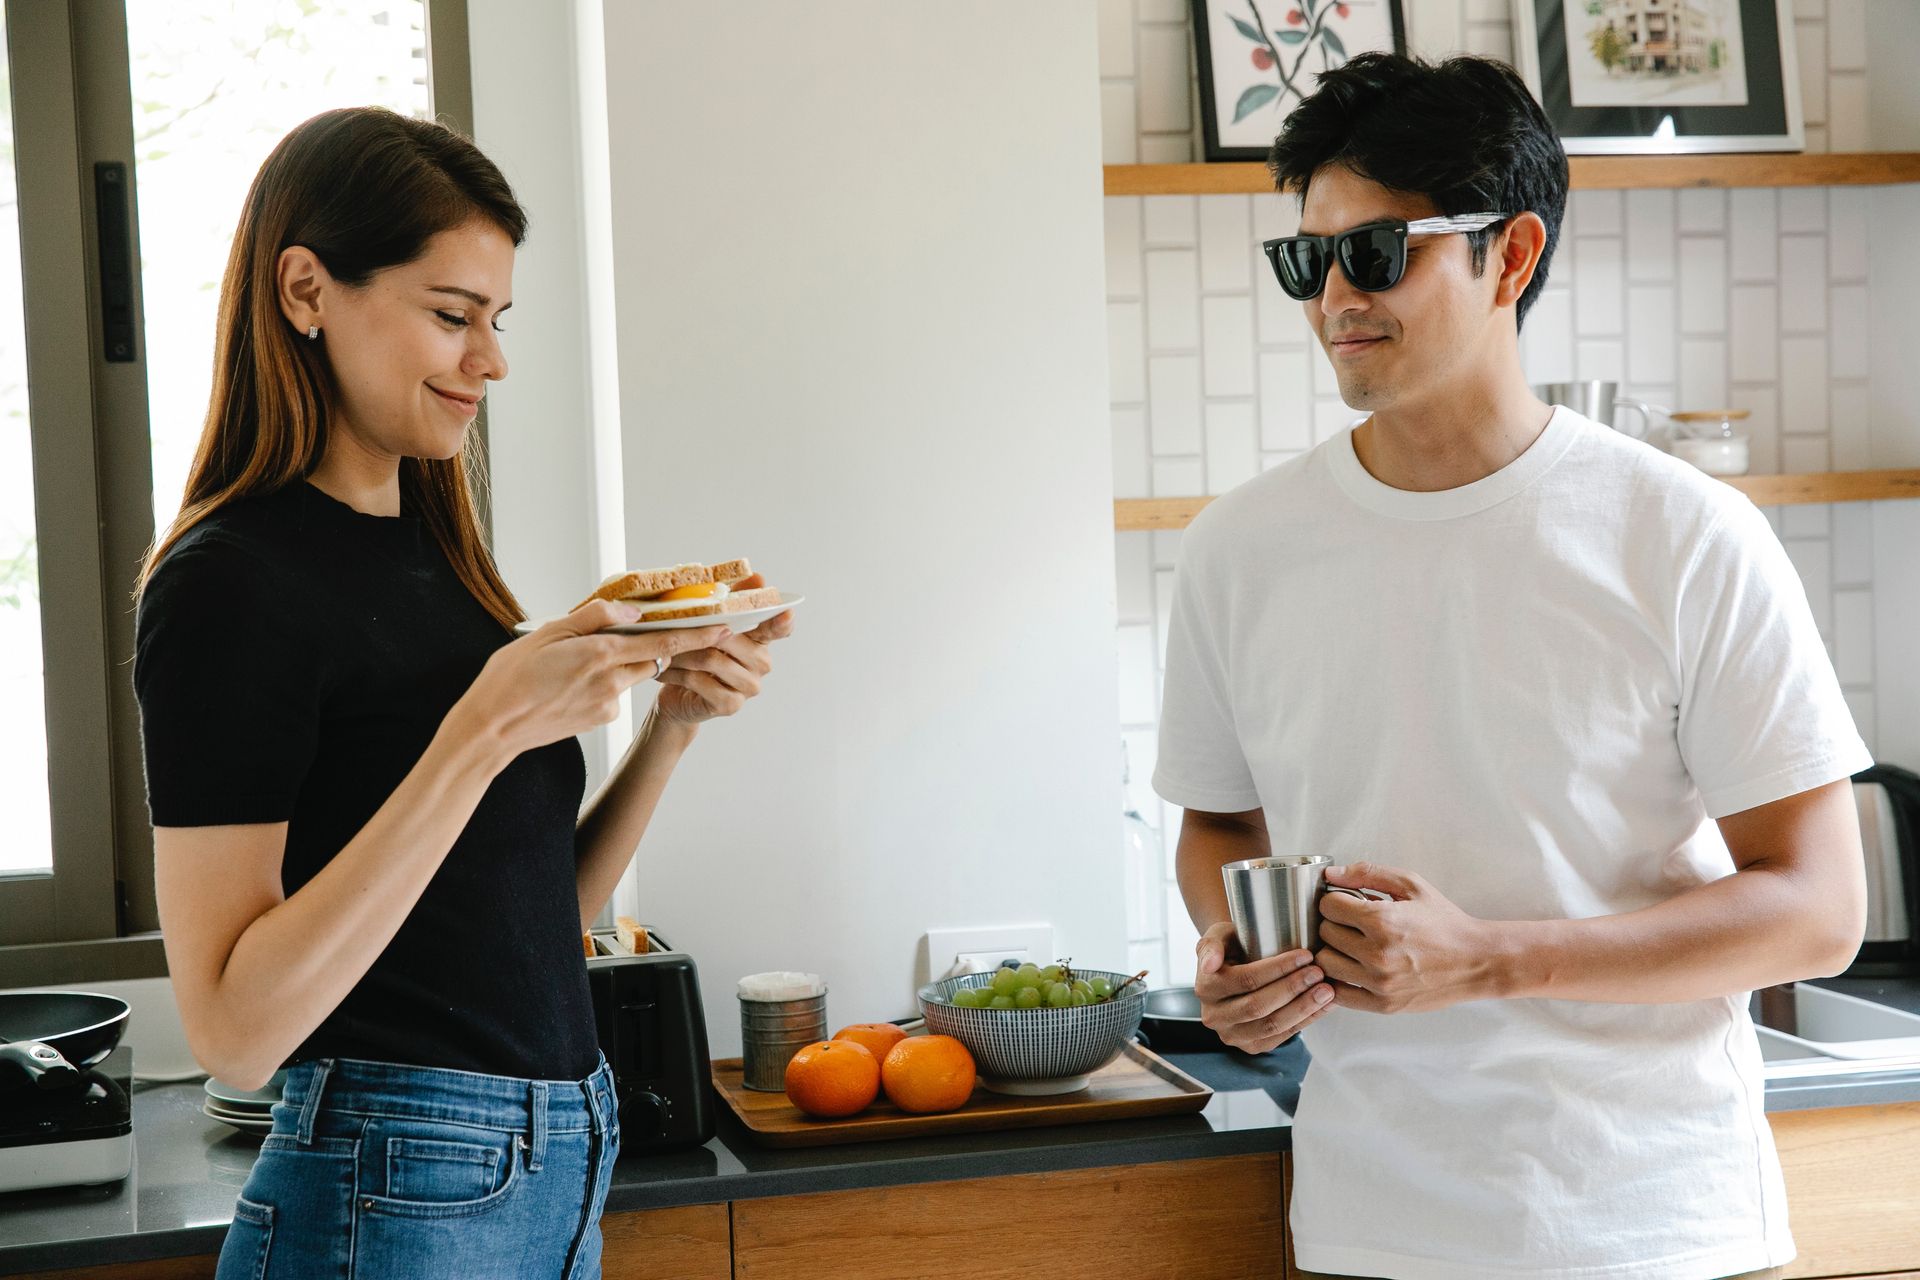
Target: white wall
(858, 262)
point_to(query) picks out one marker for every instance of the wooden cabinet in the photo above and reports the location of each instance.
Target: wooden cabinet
(1193, 1219)
(1853, 1181)
(1853, 1185)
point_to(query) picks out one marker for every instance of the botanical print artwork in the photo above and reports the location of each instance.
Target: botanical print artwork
(1655, 53)
(1266, 54)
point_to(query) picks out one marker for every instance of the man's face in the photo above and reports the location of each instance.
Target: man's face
(1400, 346)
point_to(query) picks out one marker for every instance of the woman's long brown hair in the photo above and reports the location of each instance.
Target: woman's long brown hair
(364, 189)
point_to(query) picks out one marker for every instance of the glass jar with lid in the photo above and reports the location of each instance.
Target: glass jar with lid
(1709, 440)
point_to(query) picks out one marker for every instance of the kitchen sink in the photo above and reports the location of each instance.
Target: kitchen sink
(1832, 1033)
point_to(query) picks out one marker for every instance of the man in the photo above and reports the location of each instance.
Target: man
(1505, 664)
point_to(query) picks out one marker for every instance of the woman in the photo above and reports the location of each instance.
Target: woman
(370, 853)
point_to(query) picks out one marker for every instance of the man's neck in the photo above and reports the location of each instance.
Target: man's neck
(1451, 438)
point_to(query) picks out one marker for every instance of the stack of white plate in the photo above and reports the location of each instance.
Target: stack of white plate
(248, 1109)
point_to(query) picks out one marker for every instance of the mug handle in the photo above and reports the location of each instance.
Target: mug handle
(1365, 895)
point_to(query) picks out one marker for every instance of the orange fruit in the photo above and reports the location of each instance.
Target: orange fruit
(928, 1073)
(877, 1037)
(833, 1078)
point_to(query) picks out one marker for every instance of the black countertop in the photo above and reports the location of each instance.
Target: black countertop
(188, 1169)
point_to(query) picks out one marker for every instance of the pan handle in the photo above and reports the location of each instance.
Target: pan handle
(43, 1063)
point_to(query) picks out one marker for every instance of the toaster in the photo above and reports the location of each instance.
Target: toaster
(1888, 801)
(647, 1014)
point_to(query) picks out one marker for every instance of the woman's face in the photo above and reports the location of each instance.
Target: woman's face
(413, 349)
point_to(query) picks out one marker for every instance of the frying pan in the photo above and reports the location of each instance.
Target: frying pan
(1171, 1020)
(52, 1036)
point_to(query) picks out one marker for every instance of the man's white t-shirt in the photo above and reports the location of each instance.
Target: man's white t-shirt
(1535, 690)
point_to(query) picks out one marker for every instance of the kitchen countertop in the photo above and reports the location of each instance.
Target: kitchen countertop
(188, 1169)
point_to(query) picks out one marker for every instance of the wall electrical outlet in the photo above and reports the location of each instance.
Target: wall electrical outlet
(952, 951)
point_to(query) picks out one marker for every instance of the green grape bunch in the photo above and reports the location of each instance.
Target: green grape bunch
(1032, 987)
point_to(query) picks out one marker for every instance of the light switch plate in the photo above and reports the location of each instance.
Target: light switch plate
(968, 950)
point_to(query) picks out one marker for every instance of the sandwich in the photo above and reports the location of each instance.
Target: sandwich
(686, 591)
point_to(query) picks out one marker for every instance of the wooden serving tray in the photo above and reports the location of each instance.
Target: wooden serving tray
(1137, 1083)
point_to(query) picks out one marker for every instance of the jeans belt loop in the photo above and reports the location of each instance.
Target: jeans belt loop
(537, 1105)
(310, 1108)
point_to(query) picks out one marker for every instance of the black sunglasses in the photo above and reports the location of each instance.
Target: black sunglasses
(1373, 255)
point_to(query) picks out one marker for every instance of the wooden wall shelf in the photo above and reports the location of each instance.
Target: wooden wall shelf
(1762, 169)
(1142, 514)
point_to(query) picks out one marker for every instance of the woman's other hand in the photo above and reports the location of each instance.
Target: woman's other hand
(719, 678)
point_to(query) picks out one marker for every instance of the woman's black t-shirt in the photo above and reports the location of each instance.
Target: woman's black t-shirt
(294, 658)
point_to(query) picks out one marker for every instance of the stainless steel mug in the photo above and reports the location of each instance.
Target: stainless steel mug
(1275, 902)
(1600, 401)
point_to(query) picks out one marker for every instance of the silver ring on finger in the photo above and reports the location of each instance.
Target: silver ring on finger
(659, 668)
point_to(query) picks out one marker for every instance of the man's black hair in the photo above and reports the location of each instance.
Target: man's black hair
(1465, 133)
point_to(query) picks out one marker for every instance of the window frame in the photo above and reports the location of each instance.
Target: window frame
(94, 917)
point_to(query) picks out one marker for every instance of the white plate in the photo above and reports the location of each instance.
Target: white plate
(247, 1124)
(232, 1098)
(745, 620)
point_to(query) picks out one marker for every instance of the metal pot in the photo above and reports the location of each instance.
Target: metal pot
(1600, 401)
(1172, 1022)
(48, 1038)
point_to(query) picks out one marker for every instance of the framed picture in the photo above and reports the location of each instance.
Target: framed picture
(1258, 59)
(1640, 76)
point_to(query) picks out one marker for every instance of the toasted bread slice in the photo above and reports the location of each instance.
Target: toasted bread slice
(631, 934)
(738, 602)
(642, 583)
(731, 571)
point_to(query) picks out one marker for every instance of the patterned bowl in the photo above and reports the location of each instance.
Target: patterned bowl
(1036, 1051)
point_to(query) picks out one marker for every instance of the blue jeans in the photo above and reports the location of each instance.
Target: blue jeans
(379, 1170)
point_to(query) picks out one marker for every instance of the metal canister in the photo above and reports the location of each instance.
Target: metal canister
(780, 1014)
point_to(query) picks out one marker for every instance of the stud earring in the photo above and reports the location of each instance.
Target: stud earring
(313, 331)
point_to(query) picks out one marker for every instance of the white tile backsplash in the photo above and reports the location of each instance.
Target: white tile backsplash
(1703, 372)
(1847, 35)
(1803, 209)
(1650, 336)
(1803, 284)
(1847, 113)
(1166, 103)
(1847, 233)
(1597, 301)
(1225, 229)
(1754, 298)
(1650, 239)
(1173, 299)
(1123, 240)
(1754, 218)
(1812, 37)
(1169, 221)
(1233, 452)
(1803, 386)
(1227, 332)
(1546, 344)
(1286, 422)
(1132, 477)
(1115, 19)
(1703, 209)
(1173, 400)
(1126, 348)
(1847, 330)
(1703, 284)
(1753, 333)
(1853, 637)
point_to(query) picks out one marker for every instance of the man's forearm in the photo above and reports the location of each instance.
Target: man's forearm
(1756, 928)
(1206, 845)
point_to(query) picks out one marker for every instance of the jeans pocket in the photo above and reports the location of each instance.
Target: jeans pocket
(243, 1256)
(422, 1169)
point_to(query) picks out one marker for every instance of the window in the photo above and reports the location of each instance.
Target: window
(128, 137)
